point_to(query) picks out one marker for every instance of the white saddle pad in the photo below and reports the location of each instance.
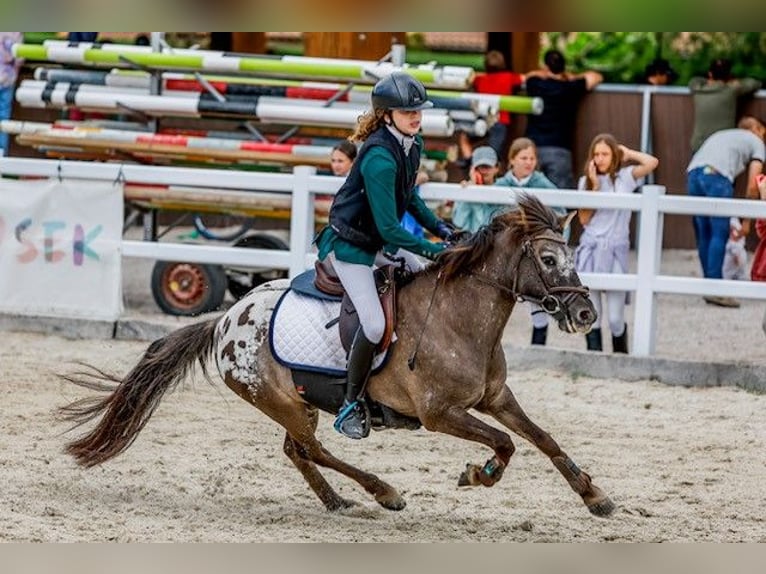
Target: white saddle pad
(300, 337)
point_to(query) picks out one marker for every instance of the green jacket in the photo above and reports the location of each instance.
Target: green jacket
(378, 168)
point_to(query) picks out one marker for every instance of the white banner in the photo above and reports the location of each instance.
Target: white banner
(60, 248)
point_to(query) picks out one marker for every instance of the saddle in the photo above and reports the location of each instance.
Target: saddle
(326, 281)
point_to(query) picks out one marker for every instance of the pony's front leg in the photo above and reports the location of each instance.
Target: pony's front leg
(506, 410)
(457, 422)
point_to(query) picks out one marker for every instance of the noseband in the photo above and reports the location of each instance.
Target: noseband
(555, 299)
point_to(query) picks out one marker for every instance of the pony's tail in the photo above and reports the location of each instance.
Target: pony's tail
(132, 399)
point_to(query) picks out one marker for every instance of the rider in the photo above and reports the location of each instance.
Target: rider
(364, 222)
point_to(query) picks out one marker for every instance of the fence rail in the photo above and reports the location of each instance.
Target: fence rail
(651, 205)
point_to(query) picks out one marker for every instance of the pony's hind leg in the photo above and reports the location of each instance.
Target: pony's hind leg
(326, 493)
(305, 451)
(311, 450)
(507, 410)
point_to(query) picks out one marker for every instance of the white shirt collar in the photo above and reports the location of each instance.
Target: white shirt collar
(405, 140)
(522, 182)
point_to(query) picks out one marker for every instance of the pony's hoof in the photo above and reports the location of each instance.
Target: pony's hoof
(391, 501)
(470, 476)
(603, 507)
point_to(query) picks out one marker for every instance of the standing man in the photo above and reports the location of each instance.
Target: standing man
(711, 173)
(9, 71)
(553, 130)
(715, 100)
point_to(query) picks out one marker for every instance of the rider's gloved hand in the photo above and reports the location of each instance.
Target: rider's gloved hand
(444, 230)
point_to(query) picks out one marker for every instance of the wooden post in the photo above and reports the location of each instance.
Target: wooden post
(248, 42)
(525, 51)
(356, 45)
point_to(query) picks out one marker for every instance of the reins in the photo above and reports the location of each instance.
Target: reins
(411, 360)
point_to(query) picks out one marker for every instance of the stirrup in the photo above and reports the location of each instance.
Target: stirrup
(353, 420)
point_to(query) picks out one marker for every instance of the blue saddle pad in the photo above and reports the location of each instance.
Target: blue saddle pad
(304, 284)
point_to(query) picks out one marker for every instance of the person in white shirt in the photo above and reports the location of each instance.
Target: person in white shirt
(605, 240)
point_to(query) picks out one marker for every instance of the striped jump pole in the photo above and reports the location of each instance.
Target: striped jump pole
(447, 76)
(482, 104)
(273, 110)
(367, 72)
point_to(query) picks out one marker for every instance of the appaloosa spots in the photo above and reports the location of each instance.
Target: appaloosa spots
(244, 331)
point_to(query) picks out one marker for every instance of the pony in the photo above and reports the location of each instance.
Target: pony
(447, 360)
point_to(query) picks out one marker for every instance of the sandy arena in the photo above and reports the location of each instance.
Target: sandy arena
(681, 464)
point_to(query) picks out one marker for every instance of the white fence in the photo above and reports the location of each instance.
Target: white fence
(651, 206)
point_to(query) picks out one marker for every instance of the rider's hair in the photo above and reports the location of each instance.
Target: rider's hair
(368, 123)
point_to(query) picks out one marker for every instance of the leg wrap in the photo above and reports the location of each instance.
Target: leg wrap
(578, 480)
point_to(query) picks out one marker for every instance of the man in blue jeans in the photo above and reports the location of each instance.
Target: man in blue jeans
(711, 173)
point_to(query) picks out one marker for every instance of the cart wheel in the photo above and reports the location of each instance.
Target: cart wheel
(188, 288)
(241, 281)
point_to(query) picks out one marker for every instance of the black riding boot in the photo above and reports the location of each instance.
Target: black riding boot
(620, 344)
(539, 335)
(593, 339)
(353, 419)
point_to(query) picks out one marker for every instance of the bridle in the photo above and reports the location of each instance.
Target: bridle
(552, 302)
(555, 299)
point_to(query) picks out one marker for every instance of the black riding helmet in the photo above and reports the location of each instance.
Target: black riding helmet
(400, 91)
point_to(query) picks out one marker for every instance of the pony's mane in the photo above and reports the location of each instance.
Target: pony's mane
(529, 217)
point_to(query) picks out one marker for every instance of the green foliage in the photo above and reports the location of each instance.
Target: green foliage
(623, 56)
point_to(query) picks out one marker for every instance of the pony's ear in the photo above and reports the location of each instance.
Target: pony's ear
(565, 220)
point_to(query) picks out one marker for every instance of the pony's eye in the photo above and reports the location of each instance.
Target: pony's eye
(549, 260)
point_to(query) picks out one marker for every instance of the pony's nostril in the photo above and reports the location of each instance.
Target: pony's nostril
(585, 316)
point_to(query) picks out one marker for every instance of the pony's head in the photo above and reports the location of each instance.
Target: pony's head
(523, 253)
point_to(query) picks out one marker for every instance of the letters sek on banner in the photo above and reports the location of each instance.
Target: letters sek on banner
(60, 248)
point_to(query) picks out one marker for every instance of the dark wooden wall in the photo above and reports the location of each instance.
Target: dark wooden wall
(353, 45)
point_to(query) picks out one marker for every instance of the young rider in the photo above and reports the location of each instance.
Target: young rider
(364, 222)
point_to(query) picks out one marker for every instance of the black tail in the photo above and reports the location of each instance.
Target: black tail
(133, 398)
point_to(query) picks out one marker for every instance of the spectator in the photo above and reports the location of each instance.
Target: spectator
(342, 158)
(497, 79)
(735, 255)
(522, 172)
(758, 270)
(605, 241)
(711, 173)
(553, 130)
(470, 216)
(82, 36)
(659, 73)
(9, 72)
(715, 100)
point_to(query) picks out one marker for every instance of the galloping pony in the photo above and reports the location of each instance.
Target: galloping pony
(446, 361)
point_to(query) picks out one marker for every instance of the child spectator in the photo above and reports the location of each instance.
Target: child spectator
(605, 240)
(470, 216)
(735, 257)
(522, 172)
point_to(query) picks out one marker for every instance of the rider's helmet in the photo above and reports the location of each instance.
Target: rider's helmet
(400, 91)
